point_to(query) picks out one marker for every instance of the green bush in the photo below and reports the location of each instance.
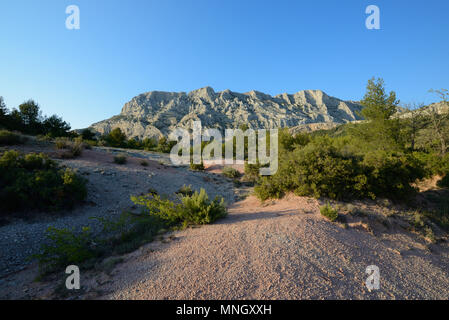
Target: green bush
(230, 172)
(116, 138)
(144, 163)
(267, 188)
(62, 143)
(198, 209)
(197, 167)
(33, 181)
(120, 159)
(318, 170)
(333, 168)
(127, 232)
(72, 148)
(9, 138)
(88, 135)
(194, 209)
(252, 172)
(185, 190)
(64, 248)
(329, 212)
(390, 174)
(434, 163)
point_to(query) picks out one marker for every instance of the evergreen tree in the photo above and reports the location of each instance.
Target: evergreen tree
(382, 131)
(377, 104)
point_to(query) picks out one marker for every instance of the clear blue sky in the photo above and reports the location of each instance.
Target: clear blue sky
(128, 47)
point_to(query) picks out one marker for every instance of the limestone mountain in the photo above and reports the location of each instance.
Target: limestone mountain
(156, 113)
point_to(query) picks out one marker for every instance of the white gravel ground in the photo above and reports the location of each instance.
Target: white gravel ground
(282, 251)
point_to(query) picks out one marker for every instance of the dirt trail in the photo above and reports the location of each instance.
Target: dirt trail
(285, 250)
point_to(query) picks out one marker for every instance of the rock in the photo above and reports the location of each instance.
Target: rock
(156, 113)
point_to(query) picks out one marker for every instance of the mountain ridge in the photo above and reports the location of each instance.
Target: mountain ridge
(156, 113)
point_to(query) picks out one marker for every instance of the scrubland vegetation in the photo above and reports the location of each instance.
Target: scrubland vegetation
(381, 157)
(131, 230)
(120, 159)
(231, 172)
(329, 212)
(8, 138)
(33, 181)
(117, 138)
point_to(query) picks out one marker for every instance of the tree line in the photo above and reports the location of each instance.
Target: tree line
(28, 119)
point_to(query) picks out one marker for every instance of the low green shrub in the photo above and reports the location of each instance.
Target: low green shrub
(127, 232)
(433, 162)
(120, 159)
(230, 172)
(8, 138)
(252, 172)
(71, 148)
(197, 167)
(65, 247)
(185, 190)
(62, 143)
(194, 209)
(329, 212)
(198, 209)
(267, 188)
(33, 181)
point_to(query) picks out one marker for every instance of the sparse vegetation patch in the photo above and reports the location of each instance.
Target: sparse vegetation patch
(33, 181)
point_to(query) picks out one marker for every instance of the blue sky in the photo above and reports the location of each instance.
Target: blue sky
(124, 48)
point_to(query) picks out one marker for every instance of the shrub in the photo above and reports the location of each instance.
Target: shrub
(390, 174)
(44, 138)
(116, 138)
(120, 159)
(72, 148)
(318, 169)
(268, 188)
(62, 143)
(252, 172)
(329, 212)
(33, 181)
(185, 190)
(9, 138)
(86, 134)
(333, 168)
(194, 209)
(90, 143)
(127, 232)
(231, 172)
(197, 167)
(433, 162)
(133, 144)
(65, 248)
(144, 163)
(164, 145)
(198, 209)
(149, 144)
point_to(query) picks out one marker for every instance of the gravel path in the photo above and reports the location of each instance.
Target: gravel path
(282, 251)
(110, 187)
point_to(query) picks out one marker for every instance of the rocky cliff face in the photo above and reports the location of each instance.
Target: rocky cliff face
(156, 113)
